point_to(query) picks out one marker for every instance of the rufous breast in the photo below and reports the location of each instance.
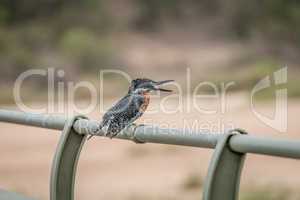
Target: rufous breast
(146, 102)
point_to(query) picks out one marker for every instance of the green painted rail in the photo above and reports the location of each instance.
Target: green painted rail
(223, 178)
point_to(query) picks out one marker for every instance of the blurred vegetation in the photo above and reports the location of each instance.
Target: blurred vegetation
(82, 36)
(85, 50)
(247, 74)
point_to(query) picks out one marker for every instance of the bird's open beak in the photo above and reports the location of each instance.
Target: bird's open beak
(161, 83)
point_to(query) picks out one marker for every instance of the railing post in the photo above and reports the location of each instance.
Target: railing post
(65, 162)
(223, 177)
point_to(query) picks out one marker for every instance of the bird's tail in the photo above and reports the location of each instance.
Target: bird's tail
(99, 128)
(90, 136)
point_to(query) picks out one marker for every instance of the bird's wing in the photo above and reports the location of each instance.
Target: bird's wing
(123, 113)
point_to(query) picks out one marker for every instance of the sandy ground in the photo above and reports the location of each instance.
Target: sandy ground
(117, 169)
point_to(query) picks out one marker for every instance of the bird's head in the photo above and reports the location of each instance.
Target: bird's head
(144, 85)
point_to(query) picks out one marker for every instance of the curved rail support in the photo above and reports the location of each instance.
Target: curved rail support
(223, 177)
(65, 162)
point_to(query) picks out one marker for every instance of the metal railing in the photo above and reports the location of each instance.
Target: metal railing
(222, 180)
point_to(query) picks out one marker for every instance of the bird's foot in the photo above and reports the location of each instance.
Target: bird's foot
(134, 125)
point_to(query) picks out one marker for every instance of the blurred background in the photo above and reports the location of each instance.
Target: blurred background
(219, 41)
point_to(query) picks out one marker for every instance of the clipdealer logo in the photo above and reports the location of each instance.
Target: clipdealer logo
(61, 97)
(279, 120)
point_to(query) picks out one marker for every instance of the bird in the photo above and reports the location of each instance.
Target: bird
(130, 107)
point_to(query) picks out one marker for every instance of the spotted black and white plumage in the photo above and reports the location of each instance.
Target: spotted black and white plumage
(122, 114)
(130, 107)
